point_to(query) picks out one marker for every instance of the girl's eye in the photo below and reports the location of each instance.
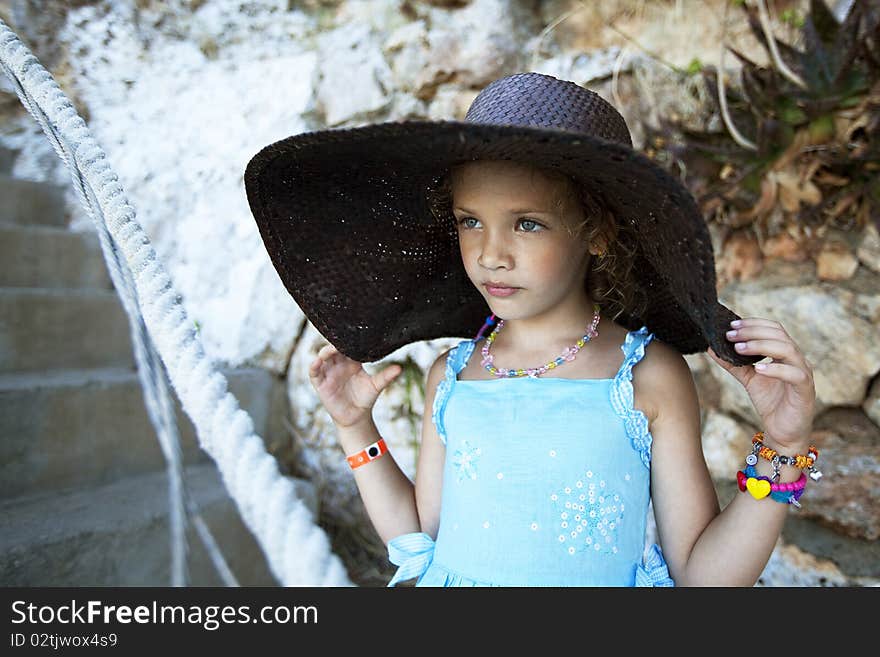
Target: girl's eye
(526, 222)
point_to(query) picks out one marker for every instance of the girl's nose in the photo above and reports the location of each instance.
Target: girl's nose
(494, 252)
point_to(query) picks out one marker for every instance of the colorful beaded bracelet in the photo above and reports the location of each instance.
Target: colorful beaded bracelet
(786, 493)
(798, 461)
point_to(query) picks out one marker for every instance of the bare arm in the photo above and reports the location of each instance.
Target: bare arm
(702, 545)
(388, 494)
(429, 471)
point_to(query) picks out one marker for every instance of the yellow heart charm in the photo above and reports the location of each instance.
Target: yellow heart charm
(759, 488)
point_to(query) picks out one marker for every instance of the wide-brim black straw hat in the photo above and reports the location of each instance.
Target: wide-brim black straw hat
(348, 223)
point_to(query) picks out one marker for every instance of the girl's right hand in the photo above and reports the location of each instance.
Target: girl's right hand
(347, 391)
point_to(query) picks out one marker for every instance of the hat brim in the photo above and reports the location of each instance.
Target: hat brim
(344, 205)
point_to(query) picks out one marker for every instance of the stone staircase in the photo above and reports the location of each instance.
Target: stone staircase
(83, 488)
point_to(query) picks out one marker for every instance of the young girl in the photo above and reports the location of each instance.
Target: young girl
(544, 441)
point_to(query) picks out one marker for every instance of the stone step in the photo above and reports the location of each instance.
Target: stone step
(47, 257)
(117, 535)
(7, 158)
(31, 203)
(45, 328)
(80, 428)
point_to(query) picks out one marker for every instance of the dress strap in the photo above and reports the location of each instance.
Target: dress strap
(622, 393)
(456, 360)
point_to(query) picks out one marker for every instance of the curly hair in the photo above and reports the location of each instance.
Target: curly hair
(610, 279)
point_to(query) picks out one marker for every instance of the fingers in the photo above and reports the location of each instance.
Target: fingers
(763, 337)
(740, 372)
(383, 377)
(766, 337)
(757, 331)
(328, 350)
(791, 373)
(776, 349)
(754, 321)
(324, 354)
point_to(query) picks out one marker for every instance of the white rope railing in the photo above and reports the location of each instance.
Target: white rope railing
(297, 550)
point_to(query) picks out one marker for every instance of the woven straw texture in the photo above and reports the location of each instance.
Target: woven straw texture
(346, 220)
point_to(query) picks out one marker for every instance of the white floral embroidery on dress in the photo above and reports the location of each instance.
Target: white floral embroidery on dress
(596, 519)
(464, 460)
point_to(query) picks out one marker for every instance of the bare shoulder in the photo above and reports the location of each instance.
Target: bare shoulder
(664, 383)
(438, 367)
(436, 372)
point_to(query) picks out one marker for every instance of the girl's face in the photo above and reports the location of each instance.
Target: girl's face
(510, 233)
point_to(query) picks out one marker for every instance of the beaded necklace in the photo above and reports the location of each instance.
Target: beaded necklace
(568, 353)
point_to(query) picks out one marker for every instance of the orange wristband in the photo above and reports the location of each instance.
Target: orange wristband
(367, 454)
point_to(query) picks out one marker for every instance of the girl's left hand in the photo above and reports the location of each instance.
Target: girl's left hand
(783, 394)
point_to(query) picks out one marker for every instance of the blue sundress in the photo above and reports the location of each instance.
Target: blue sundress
(546, 482)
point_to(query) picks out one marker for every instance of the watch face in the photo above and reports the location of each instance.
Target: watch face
(373, 451)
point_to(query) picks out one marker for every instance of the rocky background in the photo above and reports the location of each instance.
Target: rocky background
(181, 94)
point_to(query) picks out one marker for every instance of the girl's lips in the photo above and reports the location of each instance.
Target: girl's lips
(501, 291)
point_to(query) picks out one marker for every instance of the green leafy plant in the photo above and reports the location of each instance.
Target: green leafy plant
(412, 379)
(800, 151)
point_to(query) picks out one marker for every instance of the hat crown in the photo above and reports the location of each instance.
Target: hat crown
(539, 100)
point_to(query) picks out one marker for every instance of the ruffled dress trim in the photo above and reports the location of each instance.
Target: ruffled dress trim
(653, 570)
(414, 554)
(459, 354)
(635, 421)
